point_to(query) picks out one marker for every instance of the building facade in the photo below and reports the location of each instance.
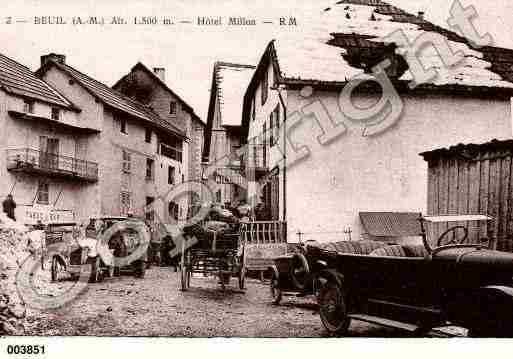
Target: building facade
(140, 156)
(150, 88)
(326, 167)
(47, 162)
(222, 149)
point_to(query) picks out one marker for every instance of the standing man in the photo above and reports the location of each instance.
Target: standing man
(9, 206)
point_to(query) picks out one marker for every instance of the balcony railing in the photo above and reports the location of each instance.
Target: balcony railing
(268, 232)
(33, 161)
(171, 152)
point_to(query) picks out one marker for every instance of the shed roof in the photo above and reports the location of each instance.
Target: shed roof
(391, 224)
(21, 81)
(472, 151)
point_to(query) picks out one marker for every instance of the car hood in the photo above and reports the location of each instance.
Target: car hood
(478, 256)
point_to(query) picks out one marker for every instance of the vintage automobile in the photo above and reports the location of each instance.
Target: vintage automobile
(122, 243)
(71, 254)
(417, 287)
(296, 273)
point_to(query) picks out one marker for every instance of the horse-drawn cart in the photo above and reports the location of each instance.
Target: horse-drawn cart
(218, 252)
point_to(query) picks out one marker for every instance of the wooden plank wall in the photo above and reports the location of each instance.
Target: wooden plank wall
(457, 185)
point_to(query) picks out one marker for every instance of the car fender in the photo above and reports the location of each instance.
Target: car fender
(328, 275)
(487, 309)
(274, 270)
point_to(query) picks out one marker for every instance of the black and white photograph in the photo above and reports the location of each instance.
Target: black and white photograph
(325, 170)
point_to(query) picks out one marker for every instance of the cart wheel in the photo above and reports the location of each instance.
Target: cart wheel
(55, 269)
(276, 293)
(333, 308)
(95, 270)
(242, 278)
(242, 272)
(185, 276)
(110, 271)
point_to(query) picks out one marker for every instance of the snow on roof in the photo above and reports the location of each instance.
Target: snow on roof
(313, 60)
(232, 82)
(308, 57)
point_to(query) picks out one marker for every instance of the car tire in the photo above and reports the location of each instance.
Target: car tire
(299, 271)
(55, 269)
(95, 276)
(333, 308)
(274, 287)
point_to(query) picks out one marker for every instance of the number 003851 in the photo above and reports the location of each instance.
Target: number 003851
(25, 349)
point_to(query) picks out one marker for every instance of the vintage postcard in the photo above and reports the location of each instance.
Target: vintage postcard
(255, 169)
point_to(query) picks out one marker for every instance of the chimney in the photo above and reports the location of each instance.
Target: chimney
(61, 59)
(421, 14)
(160, 72)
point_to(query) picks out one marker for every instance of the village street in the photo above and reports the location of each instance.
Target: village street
(154, 306)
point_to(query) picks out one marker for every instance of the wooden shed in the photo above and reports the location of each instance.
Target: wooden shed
(474, 179)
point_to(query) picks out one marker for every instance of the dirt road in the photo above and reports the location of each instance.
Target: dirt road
(154, 306)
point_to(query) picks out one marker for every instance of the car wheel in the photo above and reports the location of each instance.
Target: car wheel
(333, 308)
(55, 269)
(299, 271)
(276, 293)
(95, 270)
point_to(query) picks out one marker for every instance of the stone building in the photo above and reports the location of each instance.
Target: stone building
(317, 165)
(139, 155)
(223, 131)
(150, 88)
(47, 162)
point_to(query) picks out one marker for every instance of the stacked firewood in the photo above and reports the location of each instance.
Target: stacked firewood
(14, 250)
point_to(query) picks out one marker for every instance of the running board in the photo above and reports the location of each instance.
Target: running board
(384, 322)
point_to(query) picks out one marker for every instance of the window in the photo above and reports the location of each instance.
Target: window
(127, 159)
(56, 114)
(218, 196)
(264, 147)
(28, 106)
(43, 192)
(265, 85)
(174, 210)
(171, 175)
(147, 135)
(122, 123)
(150, 167)
(275, 126)
(150, 212)
(172, 108)
(271, 128)
(125, 201)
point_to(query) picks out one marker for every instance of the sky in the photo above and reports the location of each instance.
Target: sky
(187, 51)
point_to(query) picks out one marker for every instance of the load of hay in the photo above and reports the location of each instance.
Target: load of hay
(14, 250)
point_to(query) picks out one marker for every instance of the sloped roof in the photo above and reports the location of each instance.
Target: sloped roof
(232, 82)
(113, 98)
(229, 82)
(315, 57)
(19, 80)
(157, 79)
(473, 151)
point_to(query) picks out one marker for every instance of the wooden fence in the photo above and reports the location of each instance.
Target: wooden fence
(474, 179)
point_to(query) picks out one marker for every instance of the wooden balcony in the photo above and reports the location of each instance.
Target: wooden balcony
(42, 163)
